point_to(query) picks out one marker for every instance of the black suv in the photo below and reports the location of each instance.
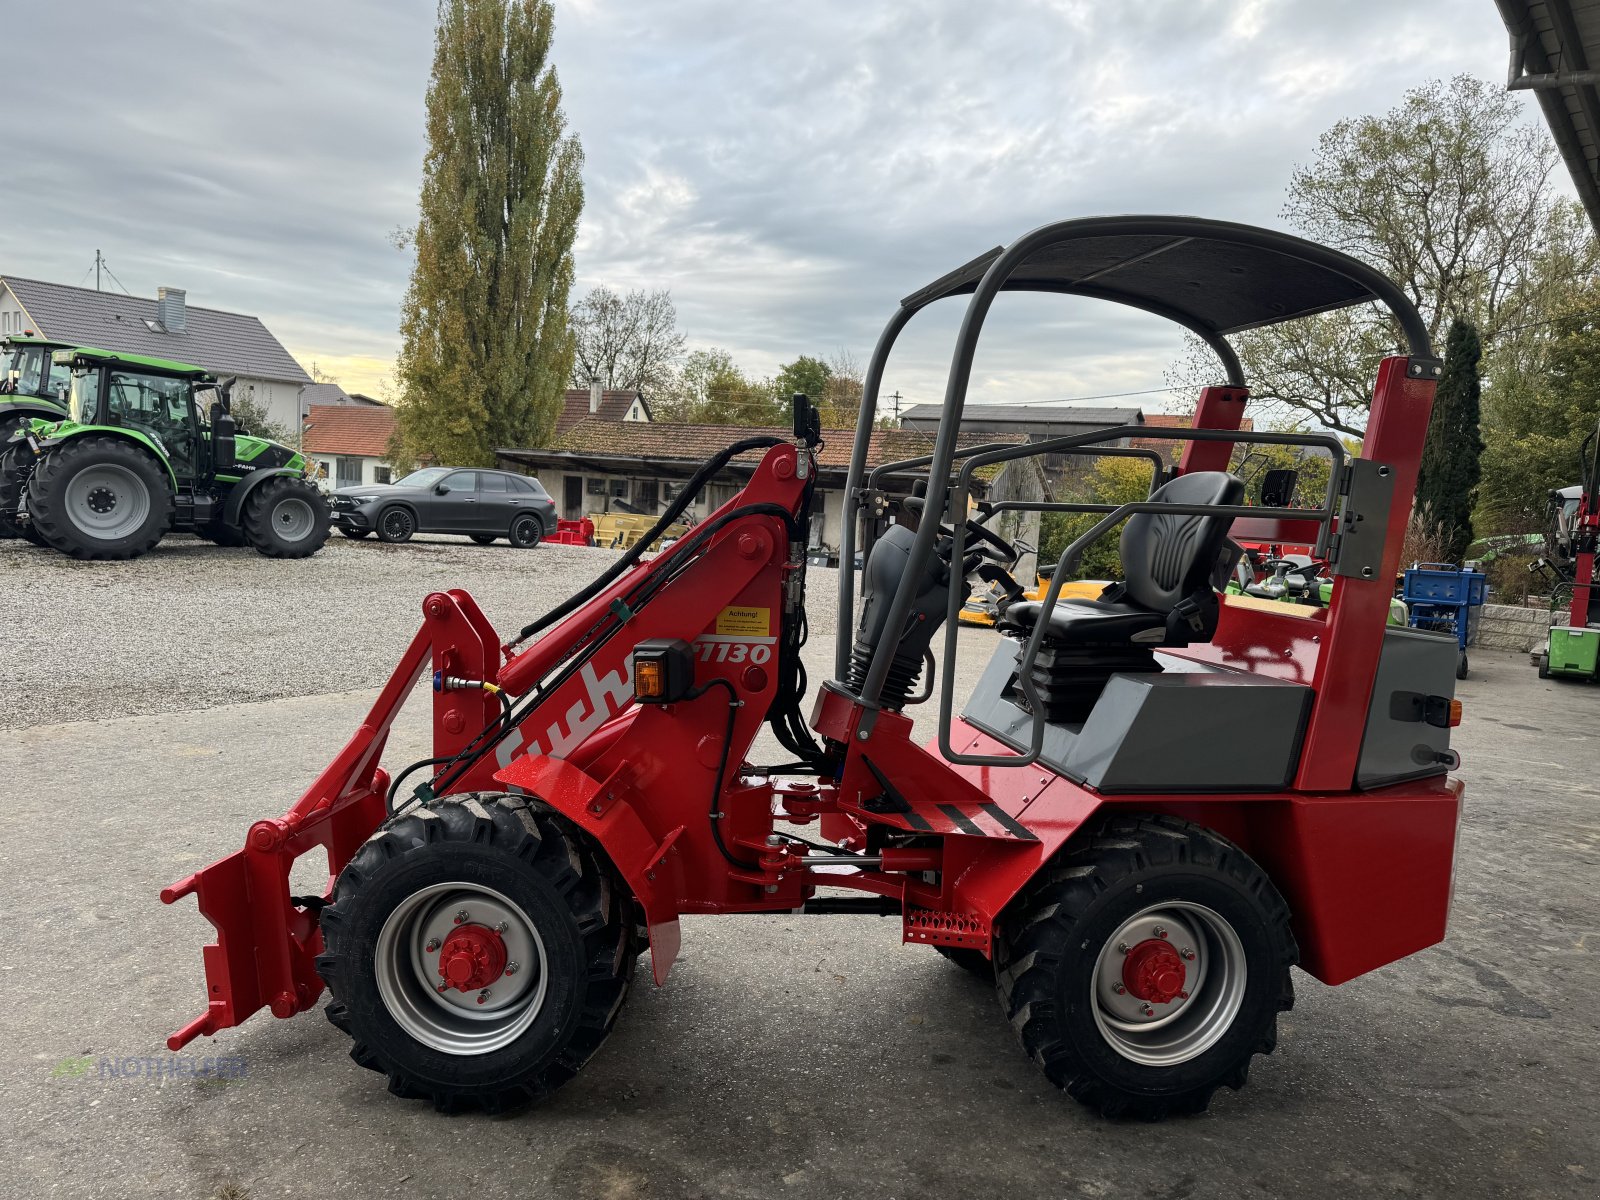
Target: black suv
(484, 505)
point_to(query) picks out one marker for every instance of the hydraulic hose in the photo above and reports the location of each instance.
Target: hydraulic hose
(674, 510)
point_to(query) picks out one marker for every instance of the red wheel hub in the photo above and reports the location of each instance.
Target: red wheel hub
(1153, 972)
(472, 957)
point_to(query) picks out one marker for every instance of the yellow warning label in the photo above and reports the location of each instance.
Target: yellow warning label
(745, 622)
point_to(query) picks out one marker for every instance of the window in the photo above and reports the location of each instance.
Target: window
(461, 481)
(595, 487)
(619, 489)
(382, 475)
(426, 477)
(644, 492)
(490, 481)
(83, 402)
(154, 404)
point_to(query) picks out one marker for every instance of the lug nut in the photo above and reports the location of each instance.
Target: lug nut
(502, 926)
(512, 968)
(1187, 954)
(774, 840)
(433, 944)
(483, 995)
(443, 987)
(1160, 932)
(1122, 947)
(461, 917)
(1119, 989)
(1147, 1010)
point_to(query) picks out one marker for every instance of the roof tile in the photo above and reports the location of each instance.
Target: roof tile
(349, 429)
(224, 343)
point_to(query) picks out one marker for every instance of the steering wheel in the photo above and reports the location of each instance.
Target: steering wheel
(994, 547)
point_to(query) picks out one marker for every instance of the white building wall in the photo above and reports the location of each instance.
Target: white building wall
(328, 467)
(279, 401)
(12, 318)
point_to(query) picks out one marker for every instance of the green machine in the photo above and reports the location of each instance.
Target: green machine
(149, 447)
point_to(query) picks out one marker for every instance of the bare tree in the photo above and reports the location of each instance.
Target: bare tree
(628, 342)
(1450, 195)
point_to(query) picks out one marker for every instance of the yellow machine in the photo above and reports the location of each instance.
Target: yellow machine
(982, 608)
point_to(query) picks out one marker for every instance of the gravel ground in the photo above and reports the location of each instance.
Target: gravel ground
(191, 625)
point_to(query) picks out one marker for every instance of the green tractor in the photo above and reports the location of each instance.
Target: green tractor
(32, 386)
(149, 447)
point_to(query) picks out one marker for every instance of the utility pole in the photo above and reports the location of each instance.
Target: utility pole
(97, 261)
(896, 398)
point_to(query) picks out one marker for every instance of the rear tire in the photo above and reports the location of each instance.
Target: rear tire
(396, 525)
(286, 517)
(1210, 931)
(526, 531)
(16, 464)
(100, 498)
(566, 917)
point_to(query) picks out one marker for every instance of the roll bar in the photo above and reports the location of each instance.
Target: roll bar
(1213, 277)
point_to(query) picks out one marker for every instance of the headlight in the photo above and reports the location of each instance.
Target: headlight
(363, 499)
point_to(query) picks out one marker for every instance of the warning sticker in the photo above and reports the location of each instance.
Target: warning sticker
(745, 622)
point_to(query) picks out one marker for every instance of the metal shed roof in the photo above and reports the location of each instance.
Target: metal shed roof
(1555, 53)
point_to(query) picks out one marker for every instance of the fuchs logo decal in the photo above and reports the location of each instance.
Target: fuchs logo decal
(604, 697)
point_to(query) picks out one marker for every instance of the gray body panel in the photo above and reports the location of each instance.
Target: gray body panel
(1397, 745)
(1190, 728)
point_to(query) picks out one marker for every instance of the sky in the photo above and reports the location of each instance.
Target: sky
(788, 171)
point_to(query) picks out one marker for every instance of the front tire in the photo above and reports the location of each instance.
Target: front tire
(396, 525)
(355, 535)
(484, 539)
(526, 531)
(285, 517)
(100, 498)
(1146, 967)
(427, 922)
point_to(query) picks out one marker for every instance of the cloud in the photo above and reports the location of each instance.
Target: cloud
(789, 171)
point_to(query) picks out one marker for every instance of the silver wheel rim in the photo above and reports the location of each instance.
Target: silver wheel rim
(1156, 1032)
(396, 522)
(292, 519)
(456, 1021)
(107, 501)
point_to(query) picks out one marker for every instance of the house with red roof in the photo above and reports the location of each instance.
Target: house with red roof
(349, 443)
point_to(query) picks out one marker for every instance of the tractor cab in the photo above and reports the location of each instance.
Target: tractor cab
(1101, 689)
(33, 386)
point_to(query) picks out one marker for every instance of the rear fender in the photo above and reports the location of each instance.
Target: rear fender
(607, 810)
(232, 511)
(142, 440)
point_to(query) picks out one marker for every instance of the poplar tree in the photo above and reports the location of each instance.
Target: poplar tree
(1447, 478)
(486, 344)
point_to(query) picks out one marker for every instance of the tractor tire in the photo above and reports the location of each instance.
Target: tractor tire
(285, 517)
(100, 498)
(974, 962)
(355, 535)
(526, 531)
(16, 463)
(484, 539)
(1119, 924)
(540, 897)
(219, 534)
(396, 524)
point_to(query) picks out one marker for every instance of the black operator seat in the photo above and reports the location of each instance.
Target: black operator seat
(1166, 597)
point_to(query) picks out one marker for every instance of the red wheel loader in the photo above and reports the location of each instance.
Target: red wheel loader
(1149, 808)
